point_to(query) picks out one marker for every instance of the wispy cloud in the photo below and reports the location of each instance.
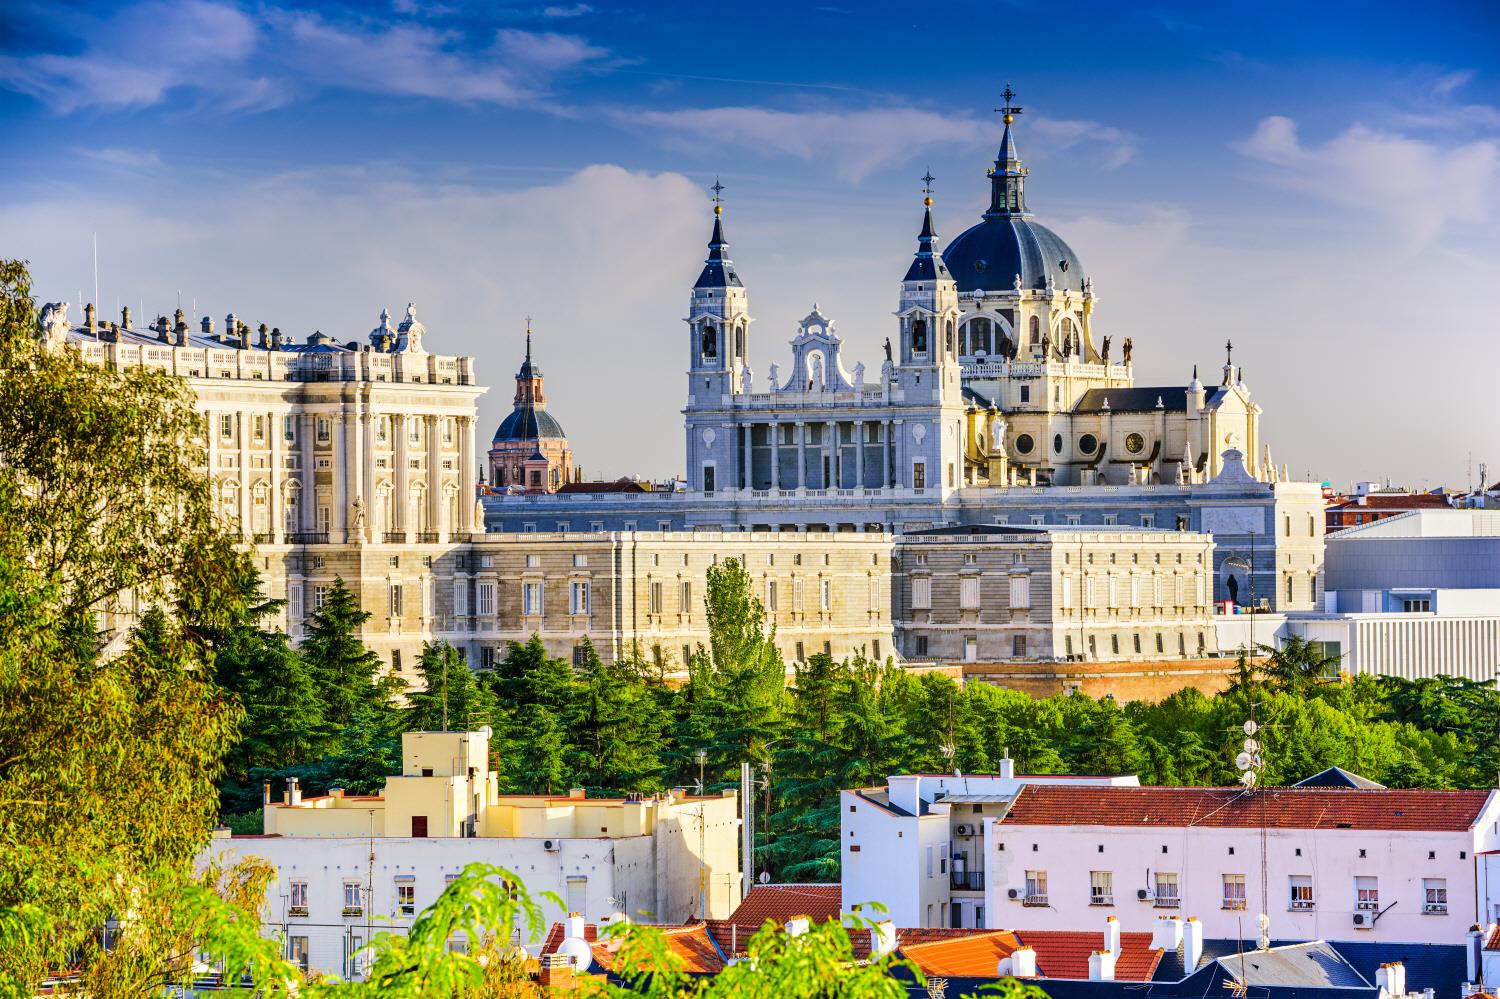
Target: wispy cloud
(1421, 186)
(208, 48)
(856, 143)
(119, 156)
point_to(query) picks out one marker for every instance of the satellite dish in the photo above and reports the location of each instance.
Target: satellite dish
(765, 877)
(1263, 922)
(1251, 728)
(1248, 778)
(1263, 942)
(1251, 746)
(1243, 761)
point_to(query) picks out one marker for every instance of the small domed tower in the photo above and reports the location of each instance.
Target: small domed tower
(718, 320)
(929, 317)
(530, 452)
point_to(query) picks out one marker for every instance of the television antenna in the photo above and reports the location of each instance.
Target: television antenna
(1250, 762)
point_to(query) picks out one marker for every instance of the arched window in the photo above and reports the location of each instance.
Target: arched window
(919, 336)
(1036, 330)
(710, 346)
(1067, 327)
(739, 341)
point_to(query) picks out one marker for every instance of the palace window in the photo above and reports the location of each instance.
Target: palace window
(531, 598)
(486, 599)
(579, 597)
(921, 593)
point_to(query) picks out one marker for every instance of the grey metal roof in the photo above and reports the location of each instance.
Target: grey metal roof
(927, 265)
(991, 254)
(1339, 777)
(718, 269)
(1133, 400)
(1314, 964)
(527, 423)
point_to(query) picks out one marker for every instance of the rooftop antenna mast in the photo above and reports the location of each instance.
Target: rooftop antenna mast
(1250, 762)
(96, 268)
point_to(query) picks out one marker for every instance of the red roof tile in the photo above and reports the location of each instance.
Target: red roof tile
(559, 931)
(691, 943)
(1065, 953)
(1494, 942)
(1377, 501)
(1280, 808)
(975, 955)
(818, 902)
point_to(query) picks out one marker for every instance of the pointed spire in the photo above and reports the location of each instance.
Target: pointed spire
(1008, 178)
(528, 370)
(718, 269)
(928, 265)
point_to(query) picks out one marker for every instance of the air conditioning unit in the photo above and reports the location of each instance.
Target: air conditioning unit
(551, 845)
(1362, 919)
(1013, 894)
(962, 830)
(1144, 894)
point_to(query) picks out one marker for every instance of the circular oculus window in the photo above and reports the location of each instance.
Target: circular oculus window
(1135, 443)
(1088, 443)
(1057, 443)
(1024, 443)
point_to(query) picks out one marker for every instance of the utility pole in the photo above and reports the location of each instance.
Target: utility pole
(701, 757)
(747, 828)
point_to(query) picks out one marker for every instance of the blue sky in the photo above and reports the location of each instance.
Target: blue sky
(1317, 182)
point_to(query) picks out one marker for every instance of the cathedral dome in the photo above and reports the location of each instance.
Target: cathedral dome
(990, 255)
(527, 423)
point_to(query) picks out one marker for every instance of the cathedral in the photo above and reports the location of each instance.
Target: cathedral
(1000, 400)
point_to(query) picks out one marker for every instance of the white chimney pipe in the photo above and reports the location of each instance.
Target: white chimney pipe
(1472, 951)
(1383, 980)
(575, 926)
(1101, 966)
(1007, 766)
(1398, 978)
(797, 925)
(1023, 962)
(1112, 935)
(1168, 933)
(1192, 944)
(882, 938)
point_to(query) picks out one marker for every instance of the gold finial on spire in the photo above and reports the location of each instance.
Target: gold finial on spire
(718, 190)
(927, 180)
(1009, 111)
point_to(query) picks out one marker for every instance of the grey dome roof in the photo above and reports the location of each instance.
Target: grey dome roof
(991, 254)
(527, 423)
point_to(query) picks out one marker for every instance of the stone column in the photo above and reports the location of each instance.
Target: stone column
(399, 507)
(367, 438)
(747, 464)
(307, 428)
(338, 521)
(435, 506)
(352, 474)
(801, 454)
(276, 510)
(466, 475)
(775, 455)
(859, 452)
(247, 514)
(833, 455)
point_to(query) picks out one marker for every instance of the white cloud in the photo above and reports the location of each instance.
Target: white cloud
(856, 143)
(119, 156)
(569, 10)
(142, 53)
(1420, 186)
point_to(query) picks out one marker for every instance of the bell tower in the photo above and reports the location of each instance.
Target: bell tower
(718, 321)
(928, 315)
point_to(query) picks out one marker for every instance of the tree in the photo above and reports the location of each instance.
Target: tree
(343, 669)
(614, 726)
(284, 723)
(109, 749)
(537, 761)
(740, 684)
(451, 698)
(1297, 665)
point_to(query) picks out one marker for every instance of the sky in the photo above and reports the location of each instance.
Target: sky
(1317, 183)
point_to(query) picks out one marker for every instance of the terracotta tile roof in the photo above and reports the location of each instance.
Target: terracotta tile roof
(974, 955)
(1282, 808)
(732, 937)
(818, 902)
(691, 943)
(559, 931)
(1376, 501)
(1494, 941)
(1065, 953)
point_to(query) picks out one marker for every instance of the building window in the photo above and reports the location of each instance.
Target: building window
(486, 601)
(325, 429)
(971, 648)
(685, 596)
(653, 599)
(298, 901)
(406, 898)
(1036, 888)
(1435, 896)
(709, 483)
(919, 645)
(1301, 891)
(1026, 397)
(825, 594)
(226, 426)
(1101, 888)
(579, 598)
(1018, 647)
(968, 593)
(1416, 606)
(921, 593)
(396, 600)
(1166, 896)
(1020, 592)
(460, 598)
(531, 598)
(919, 336)
(294, 602)
(297, 952)
(1366, 893)
(1234, 892)
(352, 899)
(771, 595)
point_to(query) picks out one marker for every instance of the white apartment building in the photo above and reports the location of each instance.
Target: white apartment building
(1337, 864)
(916, 845)
(350, 867)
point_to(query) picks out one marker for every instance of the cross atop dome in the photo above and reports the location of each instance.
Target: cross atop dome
(718, 200)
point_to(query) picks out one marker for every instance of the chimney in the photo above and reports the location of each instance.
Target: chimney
(1007, 766)
(293, 792)
(265, 335)
(335, 792)
(1101, 966)
(1023, 962)
(1112, 935)
(882, 938)
(231, 326)
(1168, 933)
(797, 925)
(1192, 944)
(575, 926)
(576, 794)
(276, 338)
(125, 317)
(1473, 949)
(556, 974)
(265, 797)
(1398, 978)
(91, 318)
(208, 326)
(163, 329)
(1384, 976)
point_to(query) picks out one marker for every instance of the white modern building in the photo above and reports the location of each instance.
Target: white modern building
(350, 867)
(1413, 595)
(1358, 864)
(915, 845)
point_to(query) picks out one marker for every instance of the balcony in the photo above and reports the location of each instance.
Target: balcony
(308, 538)
(1300, 905)
(297, 910)
(968, 881)
(1166, 902)
(352, 911)
(394, 537)
(428, 537)
(1101, 900)
(1234, 904)
(1034, 900)
(262, 538)
(1435, 909)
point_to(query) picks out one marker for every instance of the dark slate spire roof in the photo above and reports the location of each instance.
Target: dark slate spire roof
(1007, 242)
(718, 269)
(527, 369)
(927, 265)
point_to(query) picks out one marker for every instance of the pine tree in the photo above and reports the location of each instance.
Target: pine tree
(284, 723)
(615, 727)
(451, 698)
(343, 669)
(537, 760)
